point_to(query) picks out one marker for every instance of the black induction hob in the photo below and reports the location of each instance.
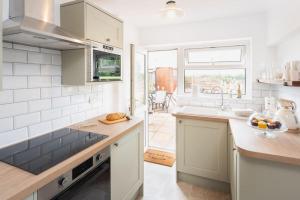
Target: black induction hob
(41, 153)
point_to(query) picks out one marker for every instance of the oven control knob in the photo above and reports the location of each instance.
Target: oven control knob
(62, 181)
(98, 157)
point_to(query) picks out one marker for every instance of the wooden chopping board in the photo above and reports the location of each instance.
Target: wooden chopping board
(105, 121)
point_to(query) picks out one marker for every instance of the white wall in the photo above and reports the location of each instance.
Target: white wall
(283, 20)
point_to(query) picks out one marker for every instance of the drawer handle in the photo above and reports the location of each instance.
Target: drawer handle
(179, 121)
(234, 149)
(107, 40)
(116, 144)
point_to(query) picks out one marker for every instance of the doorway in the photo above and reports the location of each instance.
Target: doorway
(162, 90)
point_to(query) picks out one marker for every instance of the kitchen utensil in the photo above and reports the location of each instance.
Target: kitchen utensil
(243, 112)
(286, 113)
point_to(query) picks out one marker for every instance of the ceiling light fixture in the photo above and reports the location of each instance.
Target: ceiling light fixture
(171, 11)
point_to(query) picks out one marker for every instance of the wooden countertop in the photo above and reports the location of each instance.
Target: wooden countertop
(206, 117)
(18, 184)
(284, 148)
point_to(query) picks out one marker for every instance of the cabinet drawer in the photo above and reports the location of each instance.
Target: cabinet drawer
(103, 28)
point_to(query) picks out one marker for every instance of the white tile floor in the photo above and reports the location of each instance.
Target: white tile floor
(160, 184)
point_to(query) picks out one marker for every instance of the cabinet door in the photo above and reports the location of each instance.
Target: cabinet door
(33, 196)
(127, 166)
(202, 148)
(233, 168)
(103, 28)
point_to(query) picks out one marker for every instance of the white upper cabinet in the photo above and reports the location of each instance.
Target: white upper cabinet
(87, 21)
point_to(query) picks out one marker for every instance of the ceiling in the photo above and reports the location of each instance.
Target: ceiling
(145, 13)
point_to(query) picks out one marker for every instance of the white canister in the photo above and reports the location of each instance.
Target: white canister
(294, 72)
(286, 72)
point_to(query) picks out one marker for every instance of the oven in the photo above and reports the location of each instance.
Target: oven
(105, 63)
(90, 180)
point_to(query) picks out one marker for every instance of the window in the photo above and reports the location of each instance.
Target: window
(214, 67)
(215, 56)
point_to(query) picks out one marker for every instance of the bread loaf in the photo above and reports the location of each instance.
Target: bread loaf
(115, 116)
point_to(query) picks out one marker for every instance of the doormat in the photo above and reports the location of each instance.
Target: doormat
(159, 157)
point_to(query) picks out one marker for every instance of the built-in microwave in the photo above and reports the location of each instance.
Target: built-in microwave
(106, 63)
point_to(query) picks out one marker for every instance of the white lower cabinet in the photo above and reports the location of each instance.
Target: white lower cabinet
(33, 196)
(202, 148)
(232, 167)
(127, 165)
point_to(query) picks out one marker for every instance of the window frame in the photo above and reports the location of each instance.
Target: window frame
(246, 64)
(216, 63)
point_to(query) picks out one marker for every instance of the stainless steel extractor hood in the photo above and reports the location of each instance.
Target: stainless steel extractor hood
(32, 22)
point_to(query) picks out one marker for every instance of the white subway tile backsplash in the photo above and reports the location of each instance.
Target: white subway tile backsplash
(8, 110)
(56, 60)
(26, 69)
(69, 110)
(13, 55)
(92, 113)
(33, 97)
(61, 123)
(256, 93)
(39, 81)
(56, 81)
(26, 94)
(84, 106)
(7, 69)
(27, 119)
(50, 114)
(39, 58)
(26, 48)
(39, 105)
(50, 92)
(50, 51)
(40, 129)
(7, 45)
(60, 102)
(12, 137)
(6, 124)
(84, 89)
(14, 82)
(50, 70)
(67, 91)
(78, 117)
(78, 99)
(6, 96)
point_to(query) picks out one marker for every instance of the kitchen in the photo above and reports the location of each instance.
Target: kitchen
(53, 95)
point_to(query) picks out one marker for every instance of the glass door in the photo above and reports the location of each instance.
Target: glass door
(138, 103)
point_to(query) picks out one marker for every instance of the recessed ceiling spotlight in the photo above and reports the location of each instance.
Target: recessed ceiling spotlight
(171, 10)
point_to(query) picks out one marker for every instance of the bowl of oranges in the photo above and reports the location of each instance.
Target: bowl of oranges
(268, 126)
